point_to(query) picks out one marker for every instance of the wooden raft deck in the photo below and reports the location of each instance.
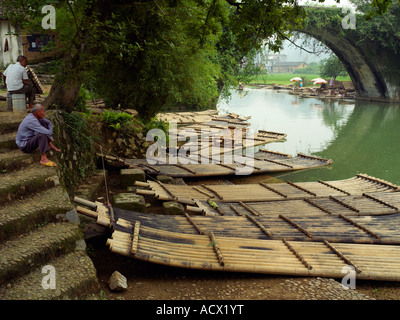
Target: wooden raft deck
(357, 185)
(308, 227)
(213, 134)
(264, 161)
(279, 236)
(220, 141)
(281, 255)
(207, 116)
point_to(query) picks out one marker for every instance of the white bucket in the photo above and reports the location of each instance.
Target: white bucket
(9, 102)
(19, 103)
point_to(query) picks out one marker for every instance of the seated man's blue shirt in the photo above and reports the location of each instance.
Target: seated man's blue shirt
(30, 127)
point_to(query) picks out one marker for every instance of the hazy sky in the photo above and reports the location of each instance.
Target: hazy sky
(296, 54)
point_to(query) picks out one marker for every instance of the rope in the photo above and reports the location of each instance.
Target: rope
(112, 220)
(105, 176)
(100, 147)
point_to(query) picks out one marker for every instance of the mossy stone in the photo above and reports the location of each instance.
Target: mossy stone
(173, 208)
(130, 201)
(129, 176)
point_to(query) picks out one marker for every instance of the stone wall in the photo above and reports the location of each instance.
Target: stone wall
(81, 138)
(77, 158)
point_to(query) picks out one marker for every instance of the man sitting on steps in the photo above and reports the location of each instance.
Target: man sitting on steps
(15, 79)
(35, 131)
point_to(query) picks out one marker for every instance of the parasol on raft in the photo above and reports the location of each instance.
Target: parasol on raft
(318, 81)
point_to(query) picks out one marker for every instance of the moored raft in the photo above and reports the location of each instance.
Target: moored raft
(206, 116)
(318, 226)
(263, 161)
(213, 251)
(224, 141)
(363, 205)
(357, 185)
(312, 241)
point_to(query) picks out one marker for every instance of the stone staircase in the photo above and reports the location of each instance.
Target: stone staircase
(40, 238)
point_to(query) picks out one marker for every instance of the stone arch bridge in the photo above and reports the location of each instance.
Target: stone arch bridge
(374, 69)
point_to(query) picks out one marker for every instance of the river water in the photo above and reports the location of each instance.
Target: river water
(359, 136)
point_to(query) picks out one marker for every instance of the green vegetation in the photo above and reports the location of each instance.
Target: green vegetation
(153, 55)
(284, 78)
(374, 28)
(332, 67)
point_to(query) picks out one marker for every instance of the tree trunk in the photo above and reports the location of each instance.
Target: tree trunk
(63, 95)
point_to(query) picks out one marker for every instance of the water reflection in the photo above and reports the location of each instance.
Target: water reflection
(360, 137)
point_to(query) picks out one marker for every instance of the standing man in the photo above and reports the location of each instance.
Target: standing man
(16, 79)
(35, 131)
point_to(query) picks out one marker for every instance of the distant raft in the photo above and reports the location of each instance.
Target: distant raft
(263, 161)
(210, 142)
(206, 116)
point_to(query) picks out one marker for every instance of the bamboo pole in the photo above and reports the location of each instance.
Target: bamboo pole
(85, 202)
(87, 212)
(141, 184)
(145, 192)
(135, 238)
(342, 256)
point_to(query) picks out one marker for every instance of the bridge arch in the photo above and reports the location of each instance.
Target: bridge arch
(373, 69)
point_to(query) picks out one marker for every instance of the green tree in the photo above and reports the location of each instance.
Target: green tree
(160, 53)
(332, 67)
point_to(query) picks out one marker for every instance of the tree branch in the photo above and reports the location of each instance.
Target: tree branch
(296, 45)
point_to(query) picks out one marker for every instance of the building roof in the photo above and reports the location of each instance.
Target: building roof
(288, 64)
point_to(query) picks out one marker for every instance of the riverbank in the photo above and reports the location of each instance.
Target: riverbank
(151, 282)
(284, 78)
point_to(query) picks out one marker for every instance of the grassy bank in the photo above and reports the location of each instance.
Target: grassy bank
(284, 78)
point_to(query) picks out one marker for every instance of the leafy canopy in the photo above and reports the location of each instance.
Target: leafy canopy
(155, 54)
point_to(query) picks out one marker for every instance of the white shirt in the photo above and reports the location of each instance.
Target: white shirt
(14, 74)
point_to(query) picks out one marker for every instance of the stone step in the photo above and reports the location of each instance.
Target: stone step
(22, 216)
(75, 278)
(10, 121)
(35, 178)
(35, 249)
(16, 160)
(7, 142)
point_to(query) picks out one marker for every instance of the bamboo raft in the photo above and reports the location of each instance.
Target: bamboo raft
(204, 247)
(191, 194)
(222, 141)
(363, 205)
(289, 225)
(212, 134)
(207, 116)
(263, 161)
